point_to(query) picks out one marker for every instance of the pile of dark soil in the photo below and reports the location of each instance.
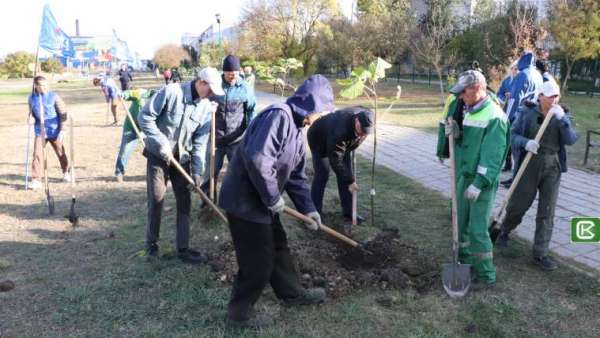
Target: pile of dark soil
(387, 263)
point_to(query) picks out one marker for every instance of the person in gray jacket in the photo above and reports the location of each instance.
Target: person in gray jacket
(176, 122)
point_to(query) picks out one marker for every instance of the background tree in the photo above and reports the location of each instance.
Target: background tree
(575, 25)
(52, 65)
(18, 65)
(213, 53)
(432, 38)
(169, 56)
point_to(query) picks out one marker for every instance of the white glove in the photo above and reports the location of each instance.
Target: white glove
(165, 153)
(278, 206)
(451, 129)
(532, 146)
(472, 193)
(317, 221)
(558, 111)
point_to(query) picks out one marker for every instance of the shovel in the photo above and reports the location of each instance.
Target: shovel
(354, 193)
(212, 183)
(29, 127)
(49, 198)
(456, 277)
(494, 228)
(323, 227)
(197, 189)
(73, 218)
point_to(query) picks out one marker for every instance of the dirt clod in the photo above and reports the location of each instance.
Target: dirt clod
(7, 285)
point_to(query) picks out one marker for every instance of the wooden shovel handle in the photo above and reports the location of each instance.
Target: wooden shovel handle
(453, 184)
(133, 125)
(188, 178)
(323, 227)
(523, 166)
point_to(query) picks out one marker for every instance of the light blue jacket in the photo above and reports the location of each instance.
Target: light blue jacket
(525, 86)
(172, 120)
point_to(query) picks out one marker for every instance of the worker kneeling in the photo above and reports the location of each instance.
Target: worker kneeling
(269, 160)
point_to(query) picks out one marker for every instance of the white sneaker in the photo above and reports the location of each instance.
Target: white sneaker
(35, 185)
(67, 177)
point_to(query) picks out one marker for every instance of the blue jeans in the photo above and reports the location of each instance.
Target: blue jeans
(128, 143)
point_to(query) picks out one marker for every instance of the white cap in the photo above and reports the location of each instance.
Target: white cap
(213, 78)
(550, 88)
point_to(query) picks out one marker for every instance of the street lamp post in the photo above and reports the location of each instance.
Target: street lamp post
(218, 16)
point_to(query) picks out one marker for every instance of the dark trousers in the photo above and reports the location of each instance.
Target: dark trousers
(322, 168)
(263, 256)
(158, 174)
(124, 85)
(220, 153)
(543, 175)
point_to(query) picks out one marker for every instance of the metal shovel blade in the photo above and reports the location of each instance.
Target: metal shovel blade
(456, 279)
(50, 201)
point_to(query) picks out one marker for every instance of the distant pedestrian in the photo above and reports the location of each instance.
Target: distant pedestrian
(111, 93)
(167, 76)
(125, 77)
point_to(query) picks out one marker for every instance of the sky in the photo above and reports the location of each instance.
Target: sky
(144, 25)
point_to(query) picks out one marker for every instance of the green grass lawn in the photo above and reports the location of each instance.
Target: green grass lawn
(93, 284)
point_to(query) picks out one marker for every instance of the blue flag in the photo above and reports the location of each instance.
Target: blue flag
(52, 38)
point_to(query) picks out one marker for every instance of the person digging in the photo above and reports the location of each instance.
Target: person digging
(176, 122)
(543, 173)
(480, 129)
(332, 139)
(268, 161)
(54, 116)
(111, 93)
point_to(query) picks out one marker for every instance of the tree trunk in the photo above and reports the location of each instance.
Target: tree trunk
(564, 88)
(442, 92)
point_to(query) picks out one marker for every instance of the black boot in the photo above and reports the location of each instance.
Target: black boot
(191, 257)
(152, 252)
(308, 297)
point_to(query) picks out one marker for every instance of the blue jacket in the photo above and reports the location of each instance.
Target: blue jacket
(270, 157)
(528, 113)
(173, 120)
(110, 89)
(51, 118)
(525, 86)
(506, 86)
(234, 113)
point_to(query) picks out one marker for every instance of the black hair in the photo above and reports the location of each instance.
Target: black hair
(541, 66)
(38, 78)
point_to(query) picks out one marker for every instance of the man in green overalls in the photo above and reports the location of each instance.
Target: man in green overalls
(544, 170)
(481, 133)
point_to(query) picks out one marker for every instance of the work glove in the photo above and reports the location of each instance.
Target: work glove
(472, 193)
(316, 224)
(558, 111)
(197, 182)
(532, 146)
(166, 154)
(452, 129)
(353, 187)
(278, 206)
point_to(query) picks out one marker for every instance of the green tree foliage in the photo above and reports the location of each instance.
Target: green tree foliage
(278, 74)
(18, 65)
(212, 54)
(52, 65)
(276, 29)
(169, 56)
(575, 25)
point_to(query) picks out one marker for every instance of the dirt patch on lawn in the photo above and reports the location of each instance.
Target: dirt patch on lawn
(388, 262)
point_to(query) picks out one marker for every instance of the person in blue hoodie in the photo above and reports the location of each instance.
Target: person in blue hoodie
(525, 87)
(268, 161)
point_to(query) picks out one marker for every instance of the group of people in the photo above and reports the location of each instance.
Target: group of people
(484, 128)
(266, 157)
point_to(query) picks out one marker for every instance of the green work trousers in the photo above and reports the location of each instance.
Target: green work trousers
(475, 245)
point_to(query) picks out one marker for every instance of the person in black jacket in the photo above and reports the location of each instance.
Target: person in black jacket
(331, 139)
(124, 77)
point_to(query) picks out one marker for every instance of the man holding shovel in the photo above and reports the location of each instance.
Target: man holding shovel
(543, 172)
(332, 139)
(176, 122)
(54, 116)
(234, 113)
(481, 142)
(268, 161)
(112, 94)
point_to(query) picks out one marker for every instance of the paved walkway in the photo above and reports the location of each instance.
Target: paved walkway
(411, 152)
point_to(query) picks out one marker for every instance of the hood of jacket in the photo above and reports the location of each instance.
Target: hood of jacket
(313, 96)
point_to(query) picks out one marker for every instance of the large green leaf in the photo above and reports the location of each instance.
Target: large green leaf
(354, 90)
(345, 82)
(377, 69)
(361, 73)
